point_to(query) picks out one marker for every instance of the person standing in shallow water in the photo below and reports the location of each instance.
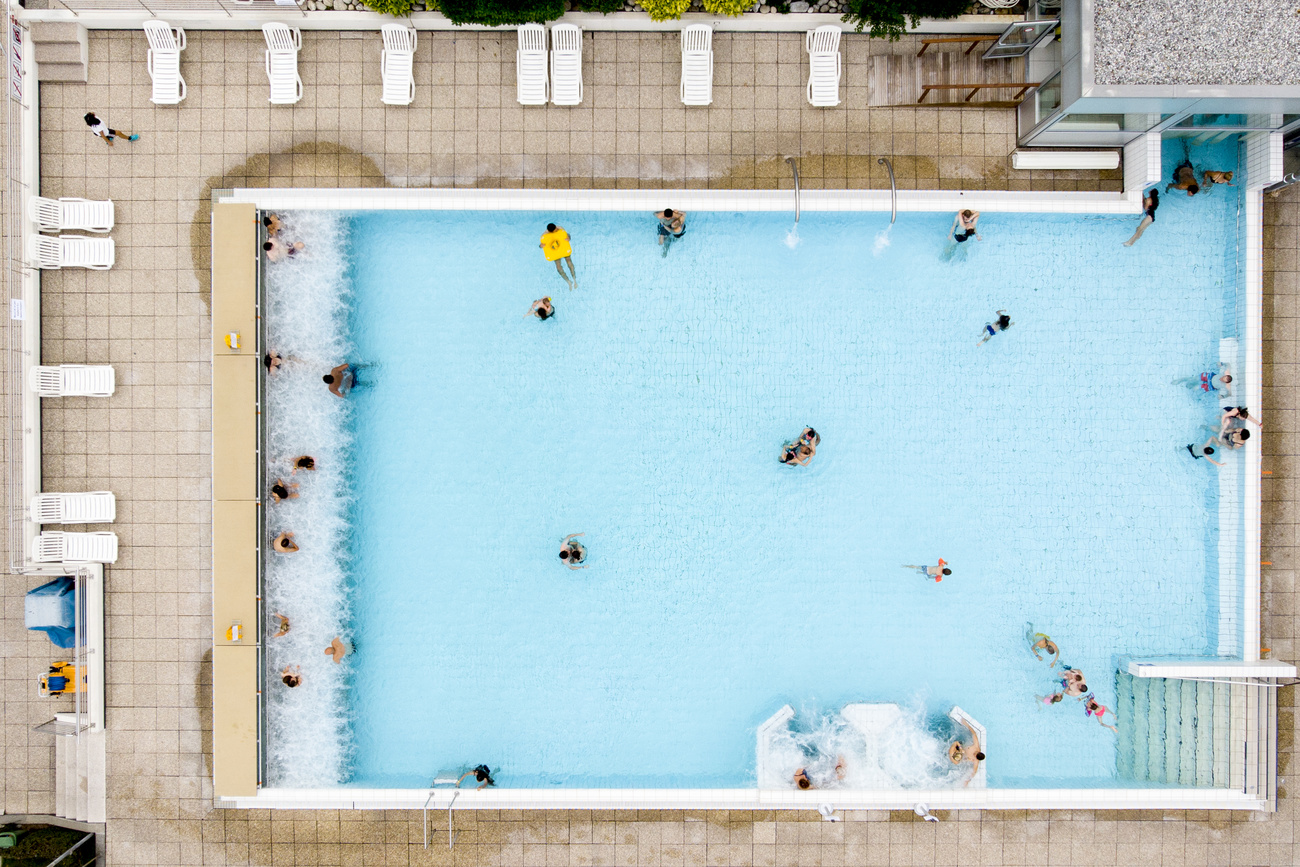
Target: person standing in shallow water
(1184, 179)
(572, 553)
(556, 247)
(968, 220)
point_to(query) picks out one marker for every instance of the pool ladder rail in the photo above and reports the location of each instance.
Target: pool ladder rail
(442, 780)
(794, 169)
(893, 190)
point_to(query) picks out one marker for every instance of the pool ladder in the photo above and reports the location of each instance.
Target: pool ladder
(451, 829)
(893, 195)
(795, 170)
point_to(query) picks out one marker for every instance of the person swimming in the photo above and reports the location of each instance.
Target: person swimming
(1210, 381)
(1051, 698)
(1039, 641)
(482, 775)
(936, 573)
(1204, 450)
(1002, 323)
(1093, 708)
(284, 544)
(291, 676)
(303, 462)
(281, 491)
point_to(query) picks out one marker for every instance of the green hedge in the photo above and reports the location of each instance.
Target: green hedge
(728, 7)
(891, 18)
(663, 10)
(496, 13)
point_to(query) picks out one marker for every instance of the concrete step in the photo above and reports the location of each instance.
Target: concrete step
(61, 52)
(1204, 734)
(82, 771)
(1187, 734)
(1222, 735)
(60, 782)
(61, 72)
(97, 777)
(58, 31)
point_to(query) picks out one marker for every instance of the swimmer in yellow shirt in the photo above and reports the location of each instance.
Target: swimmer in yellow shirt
(555, 245)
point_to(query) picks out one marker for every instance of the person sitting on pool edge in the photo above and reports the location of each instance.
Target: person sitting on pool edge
(482, 774)
(969, 221)
(572, 553)
(1002, 323)
(557, 248)
(542, 308)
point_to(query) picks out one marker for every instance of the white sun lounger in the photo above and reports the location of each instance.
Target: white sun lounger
(282, 45)
(530, 66)
(396, 64)
(165, 46)
(566, 64)
(823, 46)
(70, 251)
(96, 507)
(63, 215)
(697, 65)
(73, 380)
(56, 546)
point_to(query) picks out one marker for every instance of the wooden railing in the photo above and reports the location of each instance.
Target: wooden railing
(973, 40)
(976, 88)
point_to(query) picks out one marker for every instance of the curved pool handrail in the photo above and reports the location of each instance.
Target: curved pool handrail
(795, 169)
(893, 190)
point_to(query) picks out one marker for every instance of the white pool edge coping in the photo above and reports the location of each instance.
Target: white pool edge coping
(342, 798)
(908, 201)
(463, 199)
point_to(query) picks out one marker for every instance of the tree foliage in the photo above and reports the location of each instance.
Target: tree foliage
(890, 19)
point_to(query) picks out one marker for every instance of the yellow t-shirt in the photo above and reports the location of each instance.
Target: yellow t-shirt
(556, 245)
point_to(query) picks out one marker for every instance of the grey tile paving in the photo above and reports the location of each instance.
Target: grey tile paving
(151, 442)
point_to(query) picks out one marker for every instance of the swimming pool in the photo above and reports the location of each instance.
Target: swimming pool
(1046, 466)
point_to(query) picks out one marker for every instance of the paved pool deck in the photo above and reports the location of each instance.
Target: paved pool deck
(150, 443)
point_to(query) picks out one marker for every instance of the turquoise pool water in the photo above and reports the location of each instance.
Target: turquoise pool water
(1047, 467)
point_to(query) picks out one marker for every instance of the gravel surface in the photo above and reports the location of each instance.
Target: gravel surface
(1197, 42)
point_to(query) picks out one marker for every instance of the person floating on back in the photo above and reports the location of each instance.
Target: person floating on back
(556, 247)
(1205, 450)
(968, 220)
(572, 553)
(1208, 381)
(1150, 202)
(1184, 179)
(935, 573)
(1002, 323)
(104, 131)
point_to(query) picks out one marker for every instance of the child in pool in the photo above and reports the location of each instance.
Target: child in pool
(991, 328)
(1095, 709)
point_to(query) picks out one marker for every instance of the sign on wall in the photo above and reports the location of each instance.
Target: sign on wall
(15, 59)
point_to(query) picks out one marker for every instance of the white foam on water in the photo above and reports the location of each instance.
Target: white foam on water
(882, 240)
(904, 752)
(792, 237)
(309, 730)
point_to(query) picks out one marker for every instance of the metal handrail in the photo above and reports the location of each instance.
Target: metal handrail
(1282, 184)
(893, 190)
(795, 169)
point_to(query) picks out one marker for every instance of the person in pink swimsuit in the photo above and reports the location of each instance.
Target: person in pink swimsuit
(1094, 709)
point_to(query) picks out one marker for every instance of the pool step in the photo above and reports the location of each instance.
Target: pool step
(1176, 732)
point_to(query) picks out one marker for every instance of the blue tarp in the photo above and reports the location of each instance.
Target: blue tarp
(50, 609)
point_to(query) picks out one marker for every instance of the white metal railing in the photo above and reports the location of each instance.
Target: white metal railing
(14, 192)
(154, 7)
